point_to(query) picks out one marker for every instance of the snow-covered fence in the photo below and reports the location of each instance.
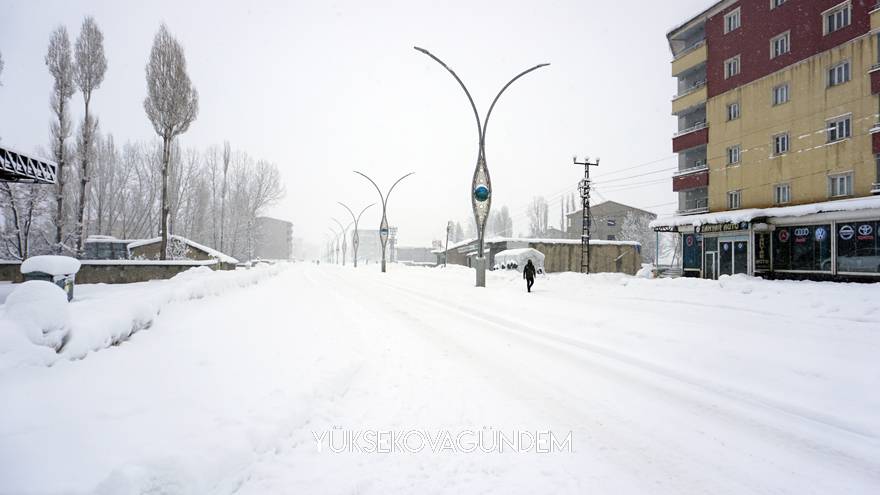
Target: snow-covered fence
(121, 271)
(107, 316)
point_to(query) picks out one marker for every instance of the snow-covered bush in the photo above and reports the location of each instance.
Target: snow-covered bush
(40, 310)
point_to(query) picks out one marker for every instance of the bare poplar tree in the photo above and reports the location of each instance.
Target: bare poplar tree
(91, 65)
(227, 157)
(58, 60)
(171, 105)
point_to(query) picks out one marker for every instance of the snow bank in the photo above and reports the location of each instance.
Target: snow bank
(39, 309)
(53, 265)
(104, 315)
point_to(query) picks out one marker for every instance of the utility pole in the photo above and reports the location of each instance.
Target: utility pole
(449, 227)
(584, 188)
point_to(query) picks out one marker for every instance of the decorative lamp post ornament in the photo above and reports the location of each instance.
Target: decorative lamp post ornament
(481, 187)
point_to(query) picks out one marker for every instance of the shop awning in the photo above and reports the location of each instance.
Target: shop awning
(671, 224)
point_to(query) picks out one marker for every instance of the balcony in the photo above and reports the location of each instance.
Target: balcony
(699, 166)
(691, 137)
(694, 98)
(875, 189)
(695, 86)
(689, 57)
(875, 17)
(694, 211)
(691, 180)
(875, 79)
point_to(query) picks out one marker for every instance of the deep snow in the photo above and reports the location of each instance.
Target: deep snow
(667, 386)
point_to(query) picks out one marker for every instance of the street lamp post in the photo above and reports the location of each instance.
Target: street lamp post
(383, 226)
(344, 235)
(355, 238)
(481, 185)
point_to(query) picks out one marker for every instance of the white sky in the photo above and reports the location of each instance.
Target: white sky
(322, 88)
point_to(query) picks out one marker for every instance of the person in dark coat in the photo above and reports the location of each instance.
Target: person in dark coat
(529, 275)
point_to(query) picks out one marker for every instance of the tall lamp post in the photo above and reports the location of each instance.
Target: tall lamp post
(383, 226)
(355, 238)
(344, 235)
(481, 185)
(334, 246)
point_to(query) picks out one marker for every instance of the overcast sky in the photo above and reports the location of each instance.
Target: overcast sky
(324, 88)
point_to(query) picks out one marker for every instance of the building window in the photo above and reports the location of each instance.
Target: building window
(733, 200)
(838, 18)
(838, 74)
(858, 247)
(732, 21)
(839, 128)
(776, 3)
(733, 111)
(610, 237)
(731, 67)
(782, 194)
(840, 185)
(780, 144)
(802, 248)
(780, 94)
(733, 155)
(780, 45)
(611, 222)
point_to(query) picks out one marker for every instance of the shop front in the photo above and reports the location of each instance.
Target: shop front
(836, 240)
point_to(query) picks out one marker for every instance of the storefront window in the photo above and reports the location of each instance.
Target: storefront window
(692, 251)
(805, 248)
(858, 249)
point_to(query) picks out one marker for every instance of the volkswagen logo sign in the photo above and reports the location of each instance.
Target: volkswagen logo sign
(821, 234)
(866, 229)
(846, 232)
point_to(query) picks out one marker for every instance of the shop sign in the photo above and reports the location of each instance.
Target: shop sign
(846, 232)
(722, 227)
(866, 232)
(762, 251)
(783, 235)
(821, 234)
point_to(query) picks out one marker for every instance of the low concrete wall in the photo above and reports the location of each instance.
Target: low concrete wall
(110, 272)
(564, 255)
(616, 258)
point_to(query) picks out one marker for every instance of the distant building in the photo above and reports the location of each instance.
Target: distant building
(415, 255)
(274, 239)
(105, 247)
(370, 248)
(607, 221)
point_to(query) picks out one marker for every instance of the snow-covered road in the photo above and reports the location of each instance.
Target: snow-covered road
(667, 386)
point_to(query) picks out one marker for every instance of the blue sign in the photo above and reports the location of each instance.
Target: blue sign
(821, 234)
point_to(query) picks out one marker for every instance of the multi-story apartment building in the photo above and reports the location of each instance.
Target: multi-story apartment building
(778, 138)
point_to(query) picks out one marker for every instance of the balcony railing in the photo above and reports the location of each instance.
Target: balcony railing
(698, 166)
(696, 127)
(694, 206)
(690, 89)
(689, 49)
(874, 128)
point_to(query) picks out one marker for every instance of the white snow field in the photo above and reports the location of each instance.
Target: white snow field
(738, 386)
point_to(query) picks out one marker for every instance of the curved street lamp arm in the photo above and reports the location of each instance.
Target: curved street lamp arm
(362, 212)
(491, 107)
(344, 229)
(374, 185)
(480, 131)
(397, 182)
(349, 210)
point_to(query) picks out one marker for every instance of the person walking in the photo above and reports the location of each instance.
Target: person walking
(529, 275)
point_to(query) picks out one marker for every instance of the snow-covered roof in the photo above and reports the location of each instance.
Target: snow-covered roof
(210, 251)
(747, 215)
(108, 238)
(52, 265)
(520, 256)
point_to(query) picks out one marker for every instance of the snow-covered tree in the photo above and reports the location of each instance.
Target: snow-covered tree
(89, 69)
(1, 67)
(538, 213)
(500, 223)
(172, 104)
(637, 228)
(60, 64)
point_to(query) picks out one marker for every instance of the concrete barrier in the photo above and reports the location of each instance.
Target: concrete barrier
(119, 271)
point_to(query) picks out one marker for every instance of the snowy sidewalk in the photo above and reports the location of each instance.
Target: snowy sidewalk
(667, 386)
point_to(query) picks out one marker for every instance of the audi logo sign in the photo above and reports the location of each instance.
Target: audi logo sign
(802, 232)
